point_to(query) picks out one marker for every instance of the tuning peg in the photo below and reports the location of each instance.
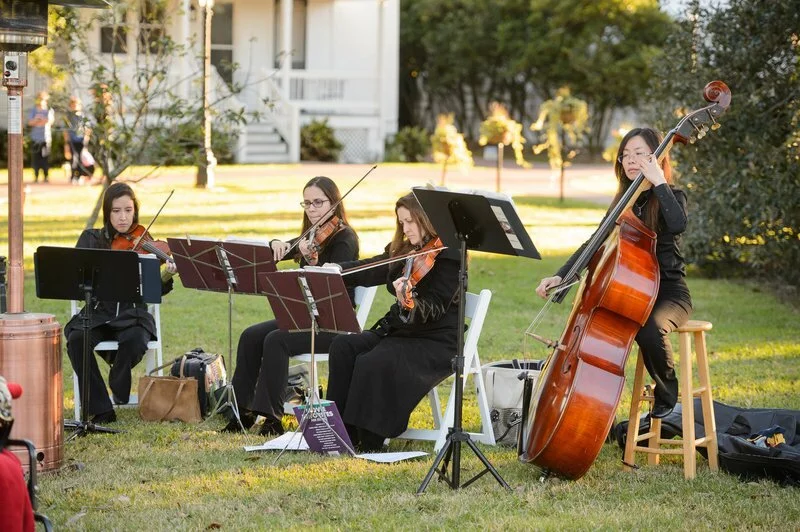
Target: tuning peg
(692, 139)
(715, 126)
(701, 133)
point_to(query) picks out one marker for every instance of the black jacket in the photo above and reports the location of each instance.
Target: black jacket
(111, 313)
(671, 223)
(435, 296)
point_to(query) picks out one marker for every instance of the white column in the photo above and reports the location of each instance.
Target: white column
(287, 6)
(183, 40)
(379, 86)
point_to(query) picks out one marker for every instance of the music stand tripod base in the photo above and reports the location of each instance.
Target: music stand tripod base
(487, 224)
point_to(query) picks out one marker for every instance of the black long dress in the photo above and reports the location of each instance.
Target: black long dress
(378, 377)
(263, 352)
(673, 304)
(128, 323)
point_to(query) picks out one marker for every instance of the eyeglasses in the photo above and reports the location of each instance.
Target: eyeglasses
(317, 203)
(623, 158)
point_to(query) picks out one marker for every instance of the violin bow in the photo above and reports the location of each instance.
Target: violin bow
(147, 229)
(333, 206)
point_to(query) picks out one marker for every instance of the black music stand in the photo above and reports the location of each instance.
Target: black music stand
(489, 224)
(222, 266)
(311, 300)
(90, 275)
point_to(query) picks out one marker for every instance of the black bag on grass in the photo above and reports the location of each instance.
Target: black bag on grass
(741, 444)
(207, 368)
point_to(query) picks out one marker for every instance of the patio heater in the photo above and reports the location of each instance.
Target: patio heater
(30, 343)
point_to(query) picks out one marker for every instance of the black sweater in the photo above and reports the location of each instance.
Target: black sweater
(671, 223)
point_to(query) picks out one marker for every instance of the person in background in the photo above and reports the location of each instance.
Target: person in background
(40, 120)
(76, 138)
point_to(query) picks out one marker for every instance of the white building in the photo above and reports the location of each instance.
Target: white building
(344, 67)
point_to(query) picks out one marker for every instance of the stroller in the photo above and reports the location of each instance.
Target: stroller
(19, 502)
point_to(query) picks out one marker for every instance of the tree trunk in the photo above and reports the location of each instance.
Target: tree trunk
(444, 172)
(500, 149)
(97, 206)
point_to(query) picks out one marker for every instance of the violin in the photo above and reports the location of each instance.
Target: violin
(320, 235)
(138, 239)
(418, 267)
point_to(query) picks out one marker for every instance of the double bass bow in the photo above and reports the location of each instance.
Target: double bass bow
(579, 388)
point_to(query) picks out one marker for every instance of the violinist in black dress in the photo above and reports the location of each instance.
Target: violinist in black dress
(663, 209)
(128, 323)
(377, 377)
(264, 351)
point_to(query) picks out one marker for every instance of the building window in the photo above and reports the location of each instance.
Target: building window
(114, 39)
(114, 32)
(222, 41)
(152, 14)
(298, 51)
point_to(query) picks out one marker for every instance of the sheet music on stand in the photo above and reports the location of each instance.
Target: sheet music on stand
(229, 266)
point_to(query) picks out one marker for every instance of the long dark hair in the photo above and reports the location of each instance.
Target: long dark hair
(117, 190)
(400, 244)
(653, 139)
(331, 191)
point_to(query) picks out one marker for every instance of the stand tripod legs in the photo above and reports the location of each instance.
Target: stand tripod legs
(452, 449)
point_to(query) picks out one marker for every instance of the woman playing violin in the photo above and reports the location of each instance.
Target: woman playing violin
(263, 353)
(128, 323)
(663, 209)
(378, 377)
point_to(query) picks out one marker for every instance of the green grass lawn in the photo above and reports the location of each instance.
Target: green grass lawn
(180, 476)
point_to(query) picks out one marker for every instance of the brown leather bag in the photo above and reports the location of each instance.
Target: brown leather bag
(168, 398)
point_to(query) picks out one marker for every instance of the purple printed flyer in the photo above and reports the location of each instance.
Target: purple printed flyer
(322, 427)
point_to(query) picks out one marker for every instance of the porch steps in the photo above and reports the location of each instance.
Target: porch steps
(263, 144)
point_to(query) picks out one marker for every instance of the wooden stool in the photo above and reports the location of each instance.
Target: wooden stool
(688, 445)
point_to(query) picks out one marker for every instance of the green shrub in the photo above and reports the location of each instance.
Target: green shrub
(410, 145)
(318, 142)
(742, 180)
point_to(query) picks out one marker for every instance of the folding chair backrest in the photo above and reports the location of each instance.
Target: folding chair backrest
(476, 307)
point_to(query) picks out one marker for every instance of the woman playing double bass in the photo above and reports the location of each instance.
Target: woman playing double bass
(128, 323)
(263, 353)
(663, 209)
(377, 377)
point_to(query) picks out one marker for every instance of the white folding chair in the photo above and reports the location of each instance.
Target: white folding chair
(477, 306)
(153, 357)
(364, 296)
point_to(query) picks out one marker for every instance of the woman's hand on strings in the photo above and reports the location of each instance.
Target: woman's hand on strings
(279, 249)
(546, 284)
(648, 165)
(309, 252)
(402, 290)
(171, 268)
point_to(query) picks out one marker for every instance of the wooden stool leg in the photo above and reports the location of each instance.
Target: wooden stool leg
(654, 442)
(706, 399)
(687, 400)
(633, 416)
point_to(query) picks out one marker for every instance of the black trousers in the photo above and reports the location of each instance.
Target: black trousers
(39, 160)
(672, 309)
(262, 365)
(132, 347)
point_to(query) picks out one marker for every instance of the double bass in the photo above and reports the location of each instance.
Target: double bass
(579, 389)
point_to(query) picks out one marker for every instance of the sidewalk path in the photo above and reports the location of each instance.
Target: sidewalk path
(590, 182)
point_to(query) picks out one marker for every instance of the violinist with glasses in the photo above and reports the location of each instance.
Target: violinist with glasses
(264, 351)
(130, 324)
(377, 377)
